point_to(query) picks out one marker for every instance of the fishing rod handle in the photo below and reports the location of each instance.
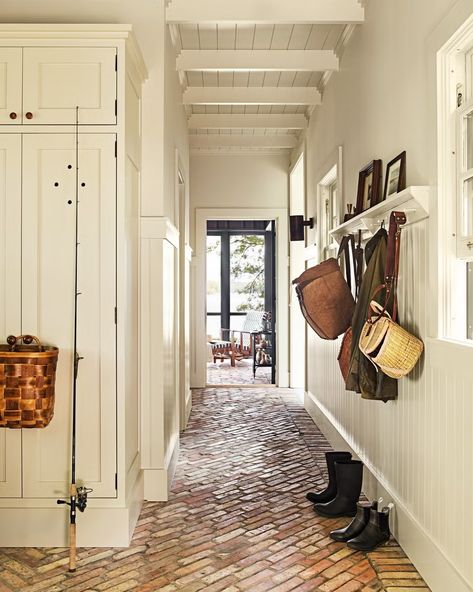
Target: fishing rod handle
(72, 548)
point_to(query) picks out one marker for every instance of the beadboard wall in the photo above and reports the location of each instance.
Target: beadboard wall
(418, 450)
(419, 447)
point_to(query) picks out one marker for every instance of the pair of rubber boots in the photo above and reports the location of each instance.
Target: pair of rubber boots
(345, 477)
(368, 529)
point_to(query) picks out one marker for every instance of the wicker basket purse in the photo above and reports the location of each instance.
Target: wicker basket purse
(383, 341)
(388, 345)
(27, 377)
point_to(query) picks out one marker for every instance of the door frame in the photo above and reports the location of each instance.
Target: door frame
(182, 287)
(294, 308)
(199, 349)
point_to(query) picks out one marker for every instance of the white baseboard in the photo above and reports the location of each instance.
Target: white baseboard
(157, 482)
(436, 569)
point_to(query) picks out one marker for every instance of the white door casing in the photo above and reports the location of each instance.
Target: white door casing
(10, 292)
(199, 291)
(48, 305)
(57, 79)
(298, 336)
(10, 85)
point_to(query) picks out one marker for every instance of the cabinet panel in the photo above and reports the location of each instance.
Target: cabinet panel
(48, 302)
(57, 79)
(10, 84)
(10, 292)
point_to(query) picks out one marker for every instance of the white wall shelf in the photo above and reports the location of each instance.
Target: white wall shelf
(414, 201)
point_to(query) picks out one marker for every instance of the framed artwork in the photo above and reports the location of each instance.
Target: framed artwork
(369, 186)
(395, 175)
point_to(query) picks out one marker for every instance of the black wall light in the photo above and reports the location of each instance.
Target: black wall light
(296, 227)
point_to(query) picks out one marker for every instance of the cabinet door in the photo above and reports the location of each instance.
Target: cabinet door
(10, 85)
(57, 79)
(10, 292)
(48, 305)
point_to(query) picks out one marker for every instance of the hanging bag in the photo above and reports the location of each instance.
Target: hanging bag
(344, 354)
(325, 297)
(27, 378)
(383, 341)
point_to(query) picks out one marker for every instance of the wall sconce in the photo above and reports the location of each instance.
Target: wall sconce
(296, 227)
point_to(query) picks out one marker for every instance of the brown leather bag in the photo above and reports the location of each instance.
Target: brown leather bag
(325, 297)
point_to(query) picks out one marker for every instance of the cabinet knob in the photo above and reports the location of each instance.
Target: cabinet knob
(29, 115)
(13, 115)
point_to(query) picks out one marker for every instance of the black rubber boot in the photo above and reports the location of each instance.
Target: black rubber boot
(349, 477)
(330, 492)
(357, 525)
(376, 532)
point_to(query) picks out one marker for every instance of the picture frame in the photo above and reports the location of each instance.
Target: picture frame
(395, 175)
(369, 186)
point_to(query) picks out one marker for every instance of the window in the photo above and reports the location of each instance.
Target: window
(455, 102)
(329, 198)
(240, 274)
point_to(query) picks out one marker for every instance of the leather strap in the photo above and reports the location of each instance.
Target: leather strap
(344, 249)
(396, 220)
(358, 259)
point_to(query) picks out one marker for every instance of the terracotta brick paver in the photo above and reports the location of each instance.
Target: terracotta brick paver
(237, 519)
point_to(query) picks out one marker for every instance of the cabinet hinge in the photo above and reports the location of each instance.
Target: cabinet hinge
(116, 481)
(116, 148)
(115, 315)
(116, 107)
(116, 62)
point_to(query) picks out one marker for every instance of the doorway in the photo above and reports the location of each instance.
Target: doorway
(241, 312)
(199, 351)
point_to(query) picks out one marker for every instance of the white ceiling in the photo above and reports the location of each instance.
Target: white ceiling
(298, 51)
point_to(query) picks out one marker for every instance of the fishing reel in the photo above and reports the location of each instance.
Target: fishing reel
(82, 493)
(81, 498)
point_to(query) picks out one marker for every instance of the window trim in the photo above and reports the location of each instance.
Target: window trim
(333, 175)
(451, 318)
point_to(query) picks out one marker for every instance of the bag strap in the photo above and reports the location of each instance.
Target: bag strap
(344, 249)
(396, 220)
(358, 259)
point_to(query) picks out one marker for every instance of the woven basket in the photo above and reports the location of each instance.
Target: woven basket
(390, 347)
(27, 377)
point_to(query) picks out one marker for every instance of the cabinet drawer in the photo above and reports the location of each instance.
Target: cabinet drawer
(10, 85)
(57, 79)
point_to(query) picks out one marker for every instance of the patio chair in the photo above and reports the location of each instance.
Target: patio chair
(237, 345)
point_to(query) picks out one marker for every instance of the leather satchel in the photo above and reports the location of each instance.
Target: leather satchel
(325, 297)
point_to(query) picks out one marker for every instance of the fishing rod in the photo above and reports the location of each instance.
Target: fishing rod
(77, 495)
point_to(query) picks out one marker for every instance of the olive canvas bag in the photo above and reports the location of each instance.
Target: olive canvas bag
(325, 297)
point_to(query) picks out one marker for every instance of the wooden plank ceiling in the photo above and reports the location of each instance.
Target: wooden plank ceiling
(253, 71)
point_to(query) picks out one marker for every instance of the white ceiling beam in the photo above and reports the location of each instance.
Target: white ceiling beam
(242, 141)
(208, 60)
(297, 12)
(235, 121)
(237, 95)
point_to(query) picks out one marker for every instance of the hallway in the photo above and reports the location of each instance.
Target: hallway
(237, 519)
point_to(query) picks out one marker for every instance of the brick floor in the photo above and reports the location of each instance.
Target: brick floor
(237, 519)
(241, 373)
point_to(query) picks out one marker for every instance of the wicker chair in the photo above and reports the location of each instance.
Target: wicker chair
(239, 344)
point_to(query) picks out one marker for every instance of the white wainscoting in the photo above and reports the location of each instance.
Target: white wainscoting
(418, 449)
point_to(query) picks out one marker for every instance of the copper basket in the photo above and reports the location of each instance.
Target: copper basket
(27, 377)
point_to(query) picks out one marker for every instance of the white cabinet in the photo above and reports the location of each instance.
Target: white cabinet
(10, 84)
(10, 291)
(48, 70)
(37, 189)
(48, 298)
(43, 85)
